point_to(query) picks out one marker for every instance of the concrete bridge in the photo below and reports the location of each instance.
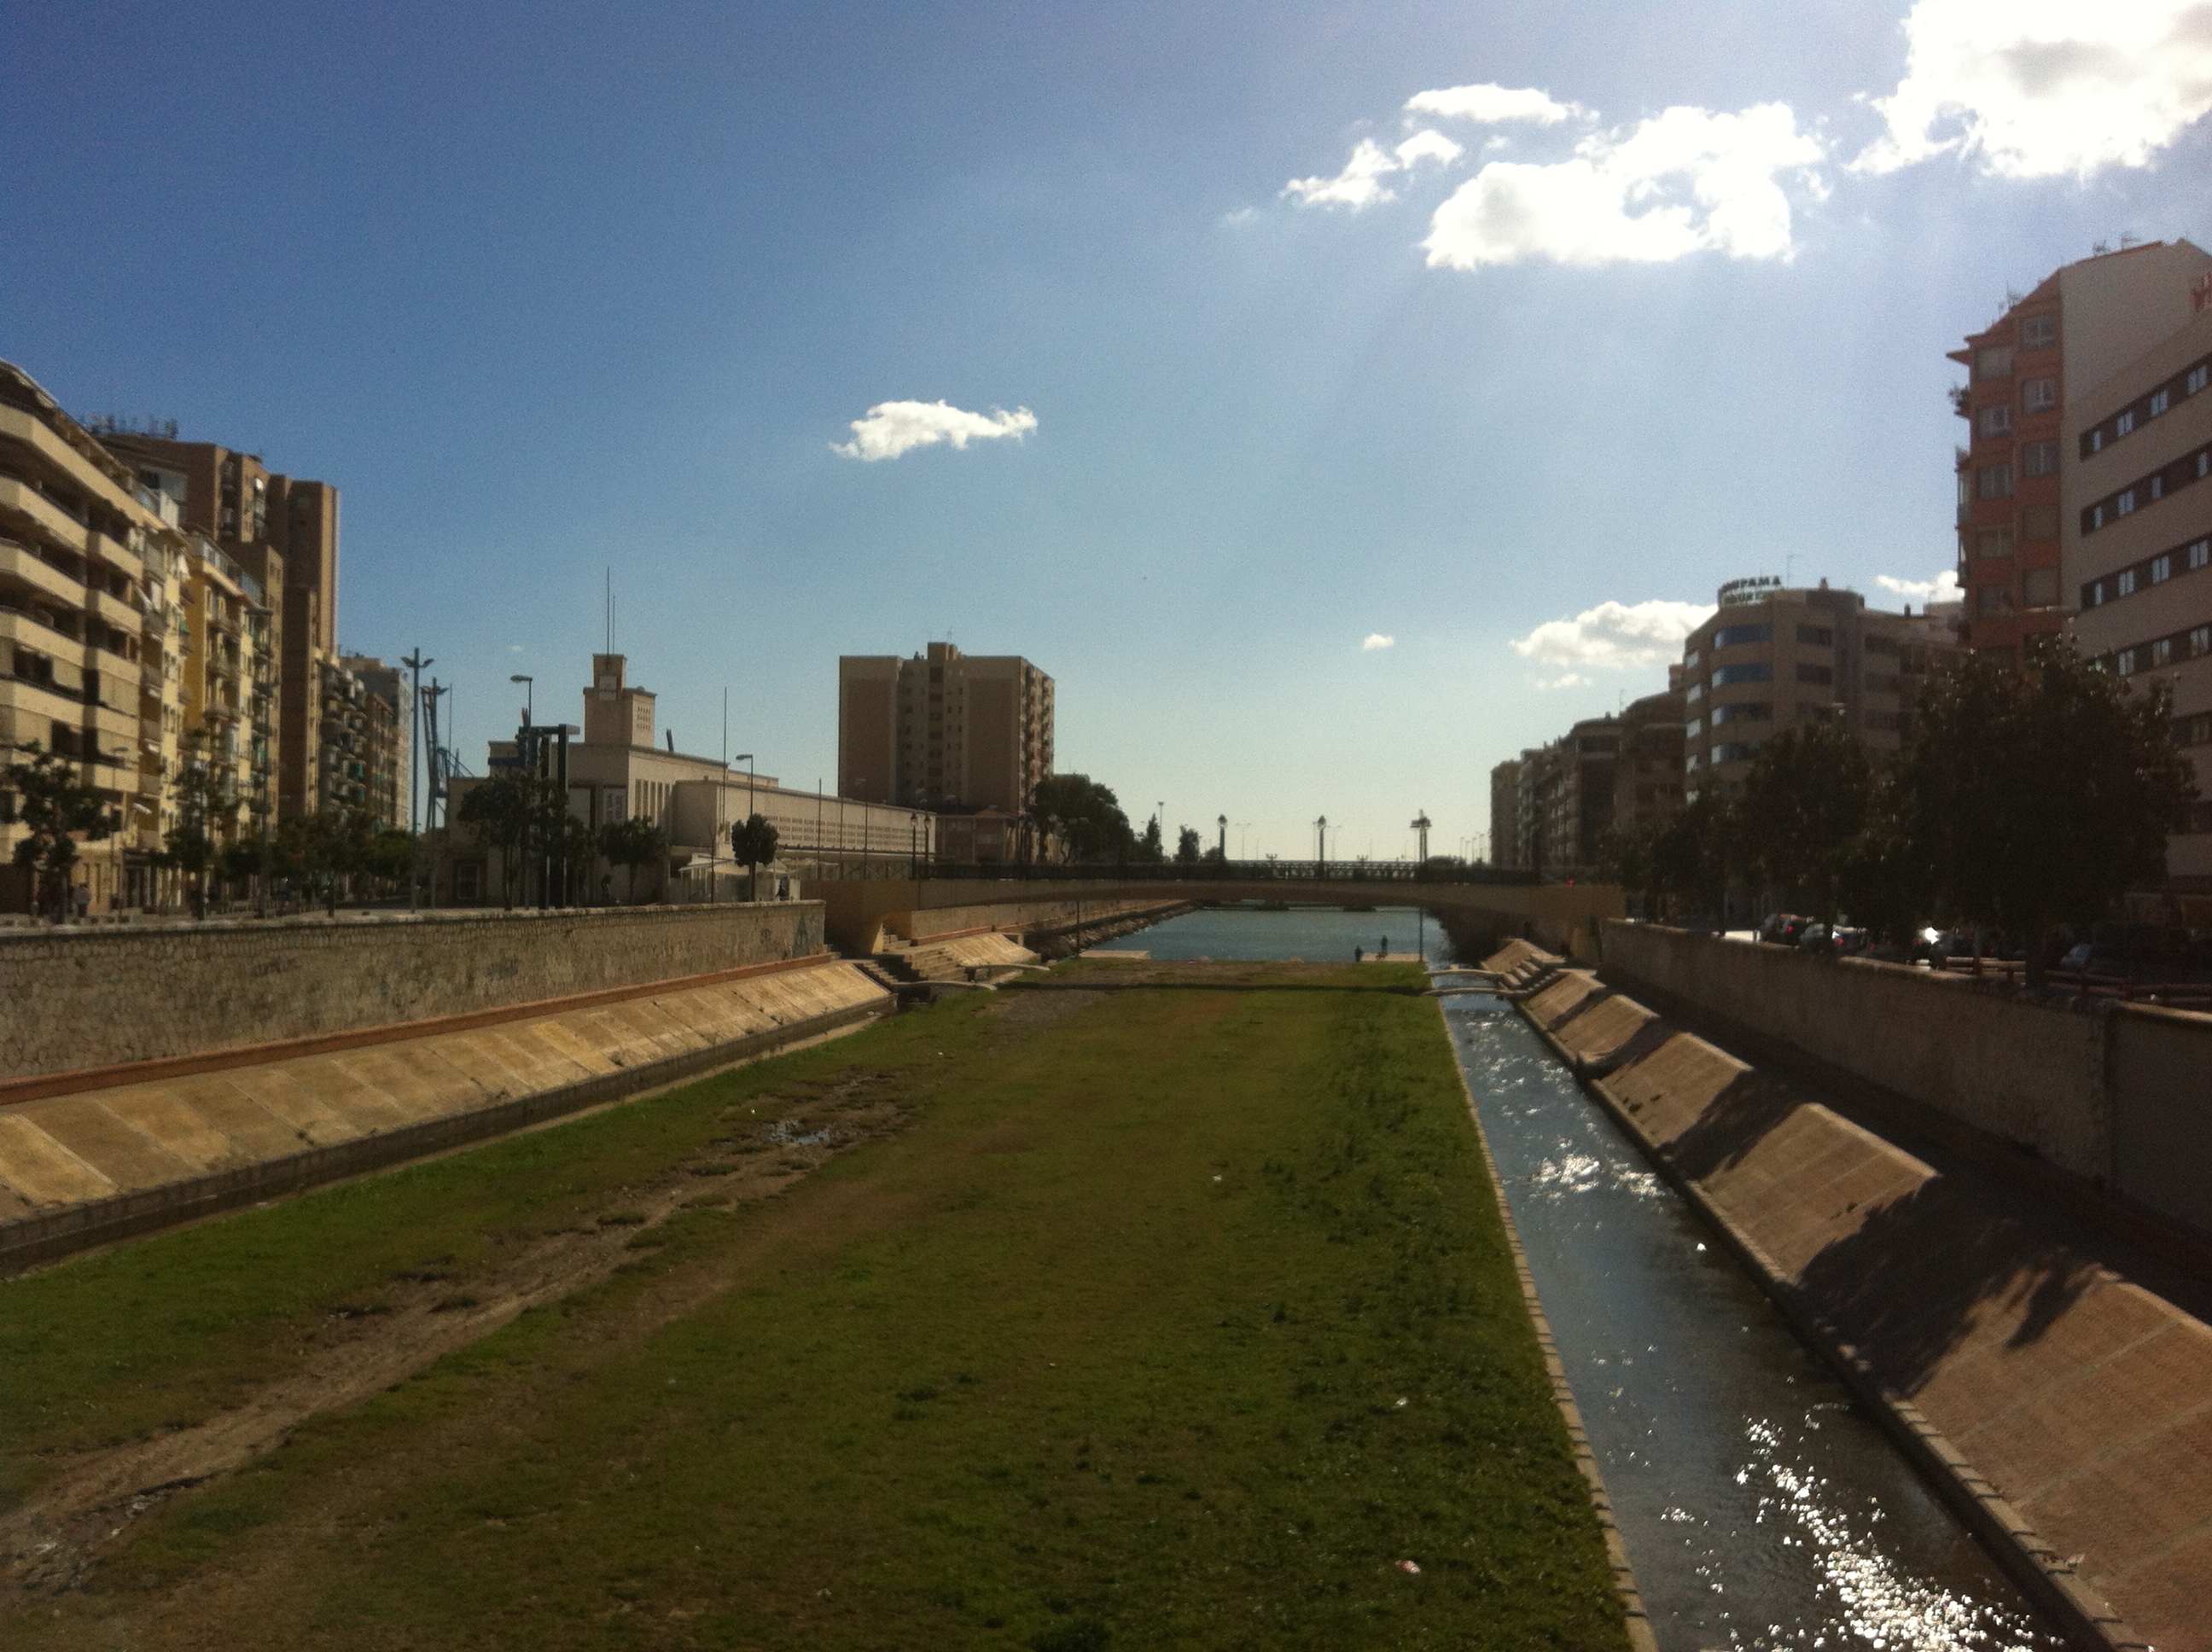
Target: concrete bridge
(1054, 901)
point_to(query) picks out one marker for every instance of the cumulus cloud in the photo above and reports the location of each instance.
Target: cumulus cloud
(1944, 587)
(1375, 639)
(1491, 104)
(1612, 637)
(1360, 184)
(893, 427)
(1685, 180)
(2040, 88)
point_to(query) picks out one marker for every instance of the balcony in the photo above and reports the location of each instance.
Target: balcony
(20, 499)
(42, 576)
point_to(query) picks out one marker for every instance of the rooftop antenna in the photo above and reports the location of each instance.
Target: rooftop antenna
(610, 608)
(1787, 562)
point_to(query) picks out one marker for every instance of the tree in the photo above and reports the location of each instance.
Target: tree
(207, 805)
(1148, 846)
(1884, 882)
(1085, 816)
(517, 813)
(1804, 804)
(2034, 797)
(1680, 859)
(55, 808)
(324, 847)
(392, 853)
(632, 843)
(753, 841)
(1187, 846)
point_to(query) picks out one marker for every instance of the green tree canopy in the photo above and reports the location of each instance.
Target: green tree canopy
(517, 813)
(1085, 816)
(632, 843)
(55, 807)
(752, 842)
(1187, 846)
(1804, 804)
(2035, 796)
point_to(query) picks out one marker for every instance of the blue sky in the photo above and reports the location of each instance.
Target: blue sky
(544, 289)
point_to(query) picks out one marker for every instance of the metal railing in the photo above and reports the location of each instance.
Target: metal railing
(1200, 872)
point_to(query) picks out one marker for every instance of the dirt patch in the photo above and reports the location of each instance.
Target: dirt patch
(1031, 1008)
(365, 1347)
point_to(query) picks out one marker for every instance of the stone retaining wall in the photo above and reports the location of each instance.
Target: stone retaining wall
(2119, 1095)
(100, 1164)
(72, 999)
(2058, 1403)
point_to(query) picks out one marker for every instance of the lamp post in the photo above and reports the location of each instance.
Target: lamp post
(913, 845)
(1320, 853)
(746, 758)
(529, 694)
(1421, 824)
(1221, 821)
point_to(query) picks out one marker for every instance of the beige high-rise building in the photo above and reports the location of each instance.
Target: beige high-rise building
(1772, 657)
(2138, 543)
(943, 730)
(283, 533)
(391, 727)
(89, 667)
(1505, 814)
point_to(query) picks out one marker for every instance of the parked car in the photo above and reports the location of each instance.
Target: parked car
(1784, 929)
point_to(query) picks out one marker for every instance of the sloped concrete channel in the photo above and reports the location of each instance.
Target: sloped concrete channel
(1761, 1505)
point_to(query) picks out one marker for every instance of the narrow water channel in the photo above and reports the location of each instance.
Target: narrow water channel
(1760, 1507)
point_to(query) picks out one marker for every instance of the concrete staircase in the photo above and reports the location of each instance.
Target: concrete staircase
(962, 961)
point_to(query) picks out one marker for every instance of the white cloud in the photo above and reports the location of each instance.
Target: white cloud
(1612, 637)
(892, 427)
(1683, 181)
(1944, 587)
(1492, 104)
(2040, 89)
(1360, 184)
(1375, 639)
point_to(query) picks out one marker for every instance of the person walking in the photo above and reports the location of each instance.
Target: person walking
(1359, 955)
(1383, 951)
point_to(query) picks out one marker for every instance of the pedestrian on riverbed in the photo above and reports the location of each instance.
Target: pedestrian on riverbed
(1383, 951)
(1359, 955)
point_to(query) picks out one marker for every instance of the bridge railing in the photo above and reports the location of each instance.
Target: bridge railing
(1202, 873)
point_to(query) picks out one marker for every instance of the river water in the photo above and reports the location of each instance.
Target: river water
(1317, 934)
(1761, 1508)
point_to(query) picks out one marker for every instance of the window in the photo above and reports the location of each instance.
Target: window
(1756, 711)
(2124, 424)
(1694, 728)
(2161, 568)
(2039, 395)
(2126, 663)
(2038, 522)
(1697, 692)
(2161, 653)
(2125, 504)
(2200, 641)
(2126, 582)
(1815, 636)
(1997, 421)
(1991, 600)
(1993, 542)
(2039, 587)
(1995, 362)
(2094, 442)
(2200, 553)
(1881, 645)
(1815, 674)
(2040, 458)
(2160, 401)
(2196, 381)
(1994, 482)
(1760, 672)
(1735, 637)
(1690, 659)
(2039, 333)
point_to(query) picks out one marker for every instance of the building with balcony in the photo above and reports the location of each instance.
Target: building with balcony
(393, 801)
(1559, 807)
(1648, 779)
(2028, 371)
(2137, 542)
(944, 731)
(283, 533)
(223, 636)
(85, 560)
(357, 748)
(1772, 659)
(1505, 813)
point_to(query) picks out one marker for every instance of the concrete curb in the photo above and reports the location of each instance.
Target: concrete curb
(2041, 1573)
(34, 1240)
(1635, 1619)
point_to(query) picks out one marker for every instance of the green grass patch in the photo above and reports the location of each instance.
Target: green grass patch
(1178, 1319)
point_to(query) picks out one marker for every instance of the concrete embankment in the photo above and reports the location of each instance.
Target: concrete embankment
(2060, 1405)
(99, 1155)
(72, 999)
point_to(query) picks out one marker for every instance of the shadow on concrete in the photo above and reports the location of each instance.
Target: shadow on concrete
(1921, 1272)
(1737, 1121)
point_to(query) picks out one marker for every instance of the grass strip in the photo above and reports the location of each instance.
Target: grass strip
(1180, 1318)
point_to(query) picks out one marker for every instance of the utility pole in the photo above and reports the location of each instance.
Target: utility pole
(415, 662)
(1221, 821)
(1321, 852)
(1421, 825)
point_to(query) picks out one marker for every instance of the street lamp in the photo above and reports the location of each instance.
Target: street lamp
(1221, 821)
(1421, 824)
(913, 845)
(529, 696)
(1320, 857)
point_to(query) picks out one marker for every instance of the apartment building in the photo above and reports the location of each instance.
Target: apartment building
(1772, 658)
(1648, 779)
(357, 748)
(1505, 813)
(2138, 542)
(944, 730)
(223, 636)
(392, 764)
(2027, 371)
(84, 644)
(283, 533)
